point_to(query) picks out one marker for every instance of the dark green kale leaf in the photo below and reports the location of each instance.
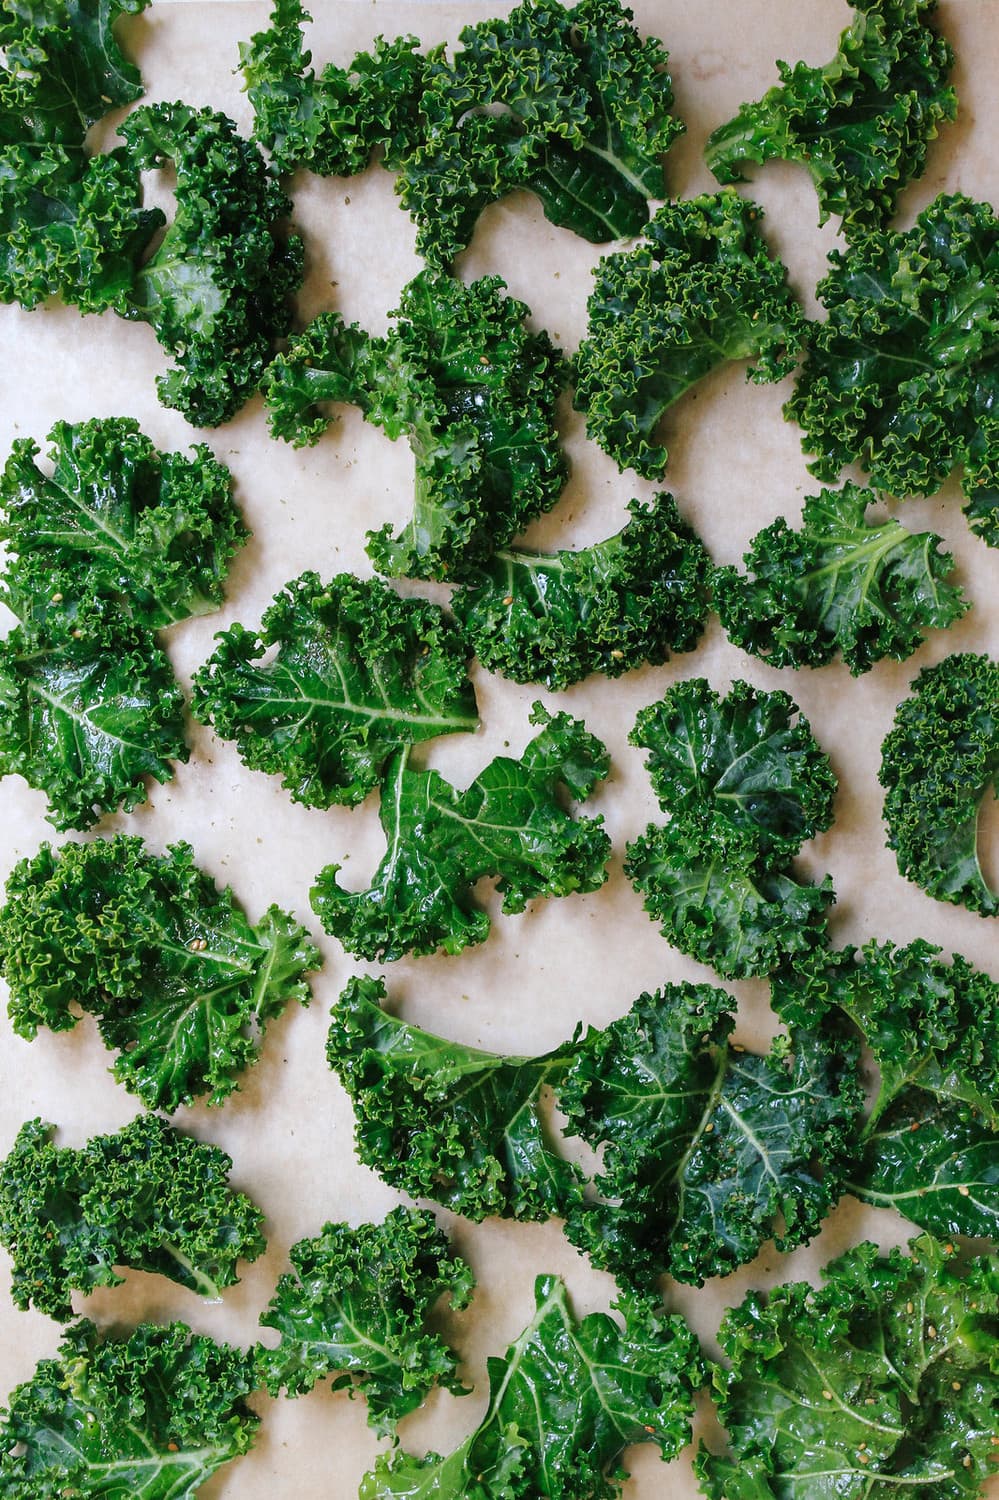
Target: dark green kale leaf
(154, 532)
(840, 584)
(884, 1381)
(509, 823)
(216, 289)
(472, 388)
(358, 673)
(146, 1197)
(445, 1121)
(938, 764)
(709, 1150)
(153, 1415)
(861, 123)
(357, 1306)
(702, 288)
(902, 377)
(180, 982)
(556, 617)
(566, 1399)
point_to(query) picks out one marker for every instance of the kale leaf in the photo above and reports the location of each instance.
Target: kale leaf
(152, 1415)
(861, 124)
(701, 289)
(472, 388)
(147, 1197)
(358, 673)
(181, 984)
(509, 823)
(556, 617)
(357, 1306)
(841, 583)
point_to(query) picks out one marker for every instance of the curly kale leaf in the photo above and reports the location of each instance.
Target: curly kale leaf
(902, 377)
(89, 709)
(938, 764)
(861, 124)
(181, 983)
(146, 1197)
(357, 1305)
(445, 1121)
(358, 673)
(216, 290)
(509, 824)
(701, 289)
(152, 1415)
(709, 1150)
(841, 583)
(566, 1399)
(884, 1381)
(473, 390)
(153, 532)
(556, 617)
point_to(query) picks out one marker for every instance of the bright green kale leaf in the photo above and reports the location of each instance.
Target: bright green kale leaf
(839, 584)
(154, 532)
(471, 387)
(148, 1417)
(446, 1121)
(566, 1399)
(702, 288)
(883, 1382)
(146, 1197)
(509, 823)
(938, 764)
(180, 982)
(556, 617)
(709, 1150)
(902, 377)
(861, 124)
(358, 673)
(89, 709)
(357, 1306)
(216, 290)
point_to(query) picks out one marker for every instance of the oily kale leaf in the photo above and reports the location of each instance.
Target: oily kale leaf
(216, 289)
(701, 289)
(565, 1401)
(745, 788)
(446, 1121)
(152, 1415)
(181, 984)
(154, 532)
(885, 1379)
(357, 1306)
(358, 673)
(472, 388)
(556, 617)
(902, 377)
(861, 124)
(938, 764)
(147, 1197)
(842, 583)
(509, 823)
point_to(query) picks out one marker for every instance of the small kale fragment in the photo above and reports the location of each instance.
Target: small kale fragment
(358, 673)
(700, 289)
(357, 1305)
(147, 1197)
(473, 389)
(181, 984)
(839, 584)
(152, 1415)
(509, 823)
(861, 124)
(556, 617)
